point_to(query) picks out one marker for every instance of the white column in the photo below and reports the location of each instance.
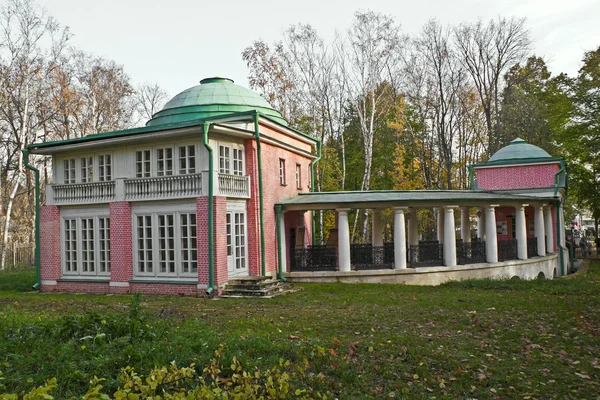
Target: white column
(540, 232)
(413, 227)
(465, 225)
(491, 240)
(561, 218)
(449, 237)
(377, 236)
(343, 240)
(549, 230)
(521, 231)
(440, 224)
(399, 238)
(283, 242)
(481, 224)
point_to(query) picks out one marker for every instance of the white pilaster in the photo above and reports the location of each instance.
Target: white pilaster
(549, 230)
(540, 231)
(343, 240)
(440, 224)
(521, 231)
(449, 237)
(283, 242)
(413, 227)
(465, 225)
(377, 236)
(561, 218)
(491, 240)
(399, 238)
(481, 224)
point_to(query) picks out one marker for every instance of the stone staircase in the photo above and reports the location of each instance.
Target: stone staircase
(263, 287)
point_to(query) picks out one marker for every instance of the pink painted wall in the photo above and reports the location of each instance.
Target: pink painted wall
(516, 177)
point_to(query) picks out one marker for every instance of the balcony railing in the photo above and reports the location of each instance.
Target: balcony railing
(314, 258)
(234, 185)
(94, 192)
(470, 252)
(367, 256)
(164, 187)
(426, 254)
(532, 249)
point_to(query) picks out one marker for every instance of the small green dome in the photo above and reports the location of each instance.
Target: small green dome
(213, 97)
(519, 150)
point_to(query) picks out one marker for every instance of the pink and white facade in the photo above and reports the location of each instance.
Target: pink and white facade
(128, 211)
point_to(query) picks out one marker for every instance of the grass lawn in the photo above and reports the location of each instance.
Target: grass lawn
(474, 339)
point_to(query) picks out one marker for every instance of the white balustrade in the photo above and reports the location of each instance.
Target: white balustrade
(93, 192)
(234, 185)
(164, 187)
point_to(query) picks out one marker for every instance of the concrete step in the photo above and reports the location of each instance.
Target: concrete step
(264, 289)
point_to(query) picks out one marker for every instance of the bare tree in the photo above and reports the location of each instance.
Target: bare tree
(487, 51)
(150, 99)
(30, 44)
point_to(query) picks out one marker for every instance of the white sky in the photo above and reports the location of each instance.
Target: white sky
(177, 43)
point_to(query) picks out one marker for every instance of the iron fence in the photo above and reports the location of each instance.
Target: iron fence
(507, 250)
(367, 256)
(426, 254)
(314, 258)
(471, 252)
(532, 249)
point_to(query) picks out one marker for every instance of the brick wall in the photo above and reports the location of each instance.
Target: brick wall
(121, 253)
(516, 177)
(49, 244)
(220, 235)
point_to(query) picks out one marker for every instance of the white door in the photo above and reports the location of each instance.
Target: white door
(237, 258)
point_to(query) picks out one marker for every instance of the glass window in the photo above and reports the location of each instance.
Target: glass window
(298, 177)
(144, 244)
(104, 167)
(224, 159)
(281, 171)
(86, 244)
(189, 253)
(142, 164)
(164, 161)
(238, 161)
(187, 159)
(87, 169)
(69, 171)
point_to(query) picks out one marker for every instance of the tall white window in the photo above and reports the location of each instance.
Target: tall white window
(238, 161)
(70, 243)
(164, 161)
(236, 242)
(173, 245)
(187, 159)
(144, 244)
(86, 245)
(224, 159)
(189, 243)
(69, 171)
(104, 167)
(104, 242)
(142, 164)
(87, 169)
(298, 176)
(281, 171)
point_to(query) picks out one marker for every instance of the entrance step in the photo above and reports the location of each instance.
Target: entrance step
(257, 286)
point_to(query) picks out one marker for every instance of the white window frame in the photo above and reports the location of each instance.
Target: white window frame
(105, 170)
(164, 171)
(77, 215)
(282, 172)
(86, 169)
(69, 170)
(146, 164)
(298, 176)
(184, 161)
(154, 211)
(231, 159)
(234, 208)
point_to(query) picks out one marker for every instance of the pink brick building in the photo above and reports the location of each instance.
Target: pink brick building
(131, 210)
(217, 187)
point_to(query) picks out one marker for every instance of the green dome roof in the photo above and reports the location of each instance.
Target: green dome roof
(213, 97)
(519, 150)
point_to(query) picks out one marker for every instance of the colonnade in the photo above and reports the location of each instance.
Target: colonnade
(408, 233)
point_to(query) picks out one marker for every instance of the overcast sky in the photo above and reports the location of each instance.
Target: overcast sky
(177, 43)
